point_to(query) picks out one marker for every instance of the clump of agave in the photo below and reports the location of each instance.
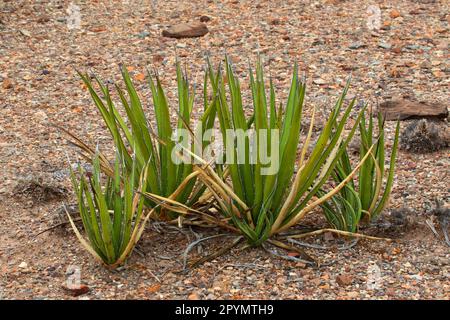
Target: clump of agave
(261, 206)
(112, 214)
(150, 148)
(365, 197)
(257, 203)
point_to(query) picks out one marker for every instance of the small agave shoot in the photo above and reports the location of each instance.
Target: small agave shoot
(167, 180)
(261, 206)
(364, 197)
(112, 214)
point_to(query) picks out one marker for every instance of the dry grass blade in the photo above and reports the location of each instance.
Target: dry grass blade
(324, 198)
(339, 232)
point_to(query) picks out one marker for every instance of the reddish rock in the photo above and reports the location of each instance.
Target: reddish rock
(275, 21)
(186, 30)
(7, 84)
(390, 292)
(404, 109)
(76, 290)
(328, 236)
(344, 280)
(157, 58)
(394, 14)
(205, 19)
(43, 19)
(194, 296)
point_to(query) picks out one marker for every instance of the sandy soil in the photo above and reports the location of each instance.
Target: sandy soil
(407, 57)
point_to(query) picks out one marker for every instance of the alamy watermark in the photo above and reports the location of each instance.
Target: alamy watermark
(373, 17)
(374, 279)
(240, 147)
(73, 18)
(73, 277)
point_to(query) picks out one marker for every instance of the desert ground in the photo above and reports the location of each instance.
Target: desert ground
(406, 57)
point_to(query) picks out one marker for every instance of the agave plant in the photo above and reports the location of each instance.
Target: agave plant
(372, 172)
(137, 138)
(263, 205)
(112, 215)
(343, 210)
(366, 198)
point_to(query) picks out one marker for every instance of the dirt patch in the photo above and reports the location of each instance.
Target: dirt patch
(405, 57)
(37, 190)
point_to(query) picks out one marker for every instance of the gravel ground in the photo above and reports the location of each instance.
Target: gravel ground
(407, 57)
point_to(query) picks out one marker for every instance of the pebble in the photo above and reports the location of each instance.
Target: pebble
(344, 280)
(76, 290)
(385, 45)
(394, 14)
(7, 83)
(319, 81)
(194, 296)
(356, 45)
(236, 29)
(143, 34)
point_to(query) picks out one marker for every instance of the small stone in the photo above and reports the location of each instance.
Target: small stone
(405, 109)
(357, 45)
(186, 30)
(7, 84)
(386, 25)
(394, 14)
(385, 45)
(43, 19)
(143, 34)
(352, 294)
(328, 236)
(417, 277)
(194, 296)
(76, 290)
(425, 65)
(98, 29)
(205, 19)
(280, 280)
(211, 297)
(181, 45)
(397, 49)
(275, 21)
(26, 33)
(23, 265)
(157, 58)
(40, 116)
(412, 47)
(319, 81)
(344, 280)
(390, 292)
